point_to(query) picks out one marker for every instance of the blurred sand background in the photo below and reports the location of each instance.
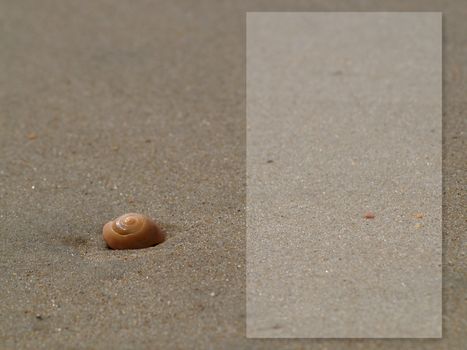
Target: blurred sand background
(109, 107)
(366, 138)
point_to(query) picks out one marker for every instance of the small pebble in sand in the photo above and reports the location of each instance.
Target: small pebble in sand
(132, 231)
(418, 215)
(369, 215)
(32, 136)
(270, 161)
(418, 225)
(115, 148)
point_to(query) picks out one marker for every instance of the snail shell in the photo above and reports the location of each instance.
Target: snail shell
(132, 231)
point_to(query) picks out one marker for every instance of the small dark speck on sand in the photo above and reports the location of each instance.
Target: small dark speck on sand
(270, 161)
(39, 317)
(369, 215)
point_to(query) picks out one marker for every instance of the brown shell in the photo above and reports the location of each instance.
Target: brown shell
(132, 231)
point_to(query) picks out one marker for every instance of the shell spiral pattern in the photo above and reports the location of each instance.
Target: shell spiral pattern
(132, 231)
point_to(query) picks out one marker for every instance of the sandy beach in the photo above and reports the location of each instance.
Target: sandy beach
(114, 107)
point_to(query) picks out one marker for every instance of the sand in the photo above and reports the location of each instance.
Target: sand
(108, 108)
(368, 138)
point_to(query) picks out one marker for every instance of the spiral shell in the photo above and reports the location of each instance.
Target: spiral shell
(132, 231)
